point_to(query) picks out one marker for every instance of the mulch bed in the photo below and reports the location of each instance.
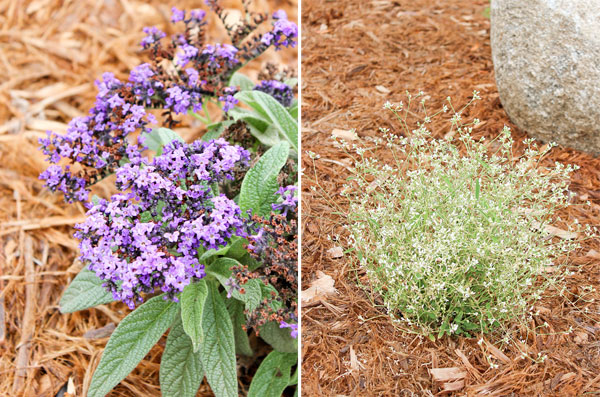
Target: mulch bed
(356, 55)
(51, 52)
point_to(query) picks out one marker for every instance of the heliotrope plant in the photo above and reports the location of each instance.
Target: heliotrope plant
(196, 241)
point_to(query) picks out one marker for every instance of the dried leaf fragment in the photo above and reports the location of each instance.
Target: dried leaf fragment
(453, 386)
(335, 252)
(593, 254)
(320, 288)
(382, 89)
(447, 374)
(349, 135)
(581, 337)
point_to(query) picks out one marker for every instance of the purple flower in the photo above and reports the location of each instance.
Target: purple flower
(153, 35)
(229, 101)
(177, 15)
(197, 15)
(290, 201)
(281, 92)
(292, 327)
(283, 33)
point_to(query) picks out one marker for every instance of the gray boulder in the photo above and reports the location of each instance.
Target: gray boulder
(546, 57)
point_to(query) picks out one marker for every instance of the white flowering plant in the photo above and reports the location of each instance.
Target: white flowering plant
(453, 233)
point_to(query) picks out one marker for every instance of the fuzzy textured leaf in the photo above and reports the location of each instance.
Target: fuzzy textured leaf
(270, 109)
(236, 312)
(85, 291)
(241, 80)
(218, 349)
(278, 338)
(220, 269)
(260, 183)
(159, 137)
(193, 298)
(130, 342)
(273, 375)
(181, 371)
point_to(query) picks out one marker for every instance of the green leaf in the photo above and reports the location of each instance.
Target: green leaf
(291, 82)
(237, 247)
(271, 110)
(193, 298)
(259, 127)
(273, 375)
(252, 295)
(218, 350)
(241, 80)
(279, 338)
(85, 291)
(249, 116)
(160, 137)
(214, 131)
(220, 269)
(236, 312)
(130, 342)
(260, 183)
(293, 110)
(269, 137)
(253, 292)
(181, 371)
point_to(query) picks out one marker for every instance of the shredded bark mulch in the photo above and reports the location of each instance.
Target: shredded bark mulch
(356, 55)
(51, 52)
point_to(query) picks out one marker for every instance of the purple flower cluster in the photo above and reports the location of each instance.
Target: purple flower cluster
(150, 236)
(278, 90)
(96, 143)
(290, 201)
(283, 34)
(153, 35)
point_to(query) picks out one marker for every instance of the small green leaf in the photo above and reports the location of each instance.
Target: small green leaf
(260, 183)
(236, 312)
(218, 350)
(279, 338)
(237, 247)
(160, 137)
(181, 371)
(291, 82)
(193, 298)
(220, 269)
(271, 110)
(241, 80)
(85, 291)
(273, 375)
(252, 295)
(95, 199)
(293, 110)
(130, 342)
(268, 137)
(214, 131)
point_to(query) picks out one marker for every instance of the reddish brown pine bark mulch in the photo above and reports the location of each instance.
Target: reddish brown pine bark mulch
(356, 55)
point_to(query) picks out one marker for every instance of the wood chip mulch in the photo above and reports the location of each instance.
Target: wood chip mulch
(51, 52)
(356, 55)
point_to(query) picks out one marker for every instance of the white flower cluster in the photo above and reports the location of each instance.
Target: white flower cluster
(452, 233)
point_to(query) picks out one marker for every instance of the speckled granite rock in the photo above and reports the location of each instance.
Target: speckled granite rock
(546, 57)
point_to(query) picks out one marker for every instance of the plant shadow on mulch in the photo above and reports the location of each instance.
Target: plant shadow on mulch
(51, 52)
(356, 55)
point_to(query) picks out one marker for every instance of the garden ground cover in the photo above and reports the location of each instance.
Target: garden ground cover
(50, 54)
(356, 55)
